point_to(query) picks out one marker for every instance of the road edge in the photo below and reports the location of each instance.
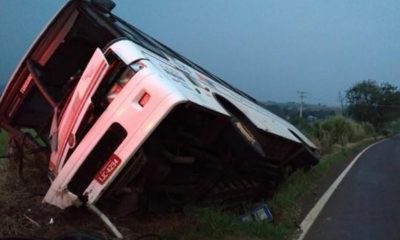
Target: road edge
(312, 215)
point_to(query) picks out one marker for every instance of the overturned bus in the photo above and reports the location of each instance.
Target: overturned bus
(123, 116)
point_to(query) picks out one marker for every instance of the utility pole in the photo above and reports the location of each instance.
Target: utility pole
(302, 95)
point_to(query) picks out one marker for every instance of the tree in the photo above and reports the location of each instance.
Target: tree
(373, 103)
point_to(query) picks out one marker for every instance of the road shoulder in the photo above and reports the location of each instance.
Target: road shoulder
(317, 190)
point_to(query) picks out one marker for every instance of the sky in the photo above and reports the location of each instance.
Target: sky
(271, 49)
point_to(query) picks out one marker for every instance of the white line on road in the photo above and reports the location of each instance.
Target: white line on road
(313, 214)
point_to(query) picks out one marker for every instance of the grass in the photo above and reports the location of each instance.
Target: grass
(3, 142)
(213, 223)
(334, 130)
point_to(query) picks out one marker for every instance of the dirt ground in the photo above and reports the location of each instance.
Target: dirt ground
(24, 214)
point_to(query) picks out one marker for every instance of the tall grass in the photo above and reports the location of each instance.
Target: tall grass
(335, 131)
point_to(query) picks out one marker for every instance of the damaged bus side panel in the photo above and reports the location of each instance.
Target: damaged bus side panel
(127, 121)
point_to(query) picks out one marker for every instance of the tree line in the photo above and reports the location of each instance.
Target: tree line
(378, 104)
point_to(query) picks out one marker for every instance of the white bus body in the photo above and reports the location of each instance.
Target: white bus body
(119, 110)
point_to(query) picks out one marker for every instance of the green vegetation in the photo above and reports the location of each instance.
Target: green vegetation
(373, 103)
(392, 127)
(335, 131)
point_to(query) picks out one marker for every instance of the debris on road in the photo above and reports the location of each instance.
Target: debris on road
(259, 213)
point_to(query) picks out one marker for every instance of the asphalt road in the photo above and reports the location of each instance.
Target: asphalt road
(366, 204)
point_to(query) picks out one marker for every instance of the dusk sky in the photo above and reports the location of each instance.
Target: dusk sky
(269, 48)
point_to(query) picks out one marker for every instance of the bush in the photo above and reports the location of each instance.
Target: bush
(336, 130)
(393, 127)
